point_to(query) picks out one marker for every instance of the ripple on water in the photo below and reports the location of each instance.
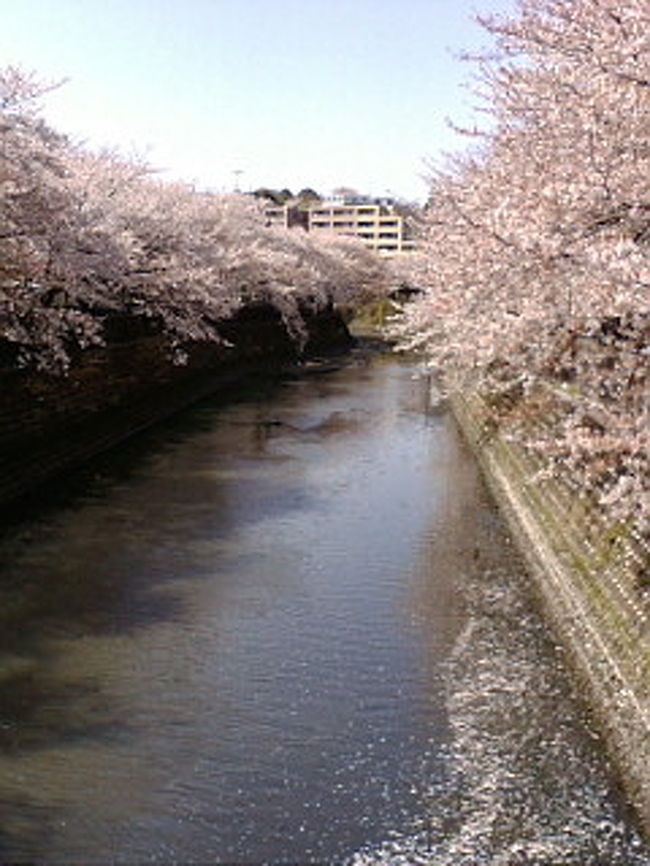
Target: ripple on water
(521, 785)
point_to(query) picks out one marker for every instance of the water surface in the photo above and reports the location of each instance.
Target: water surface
(289, 627)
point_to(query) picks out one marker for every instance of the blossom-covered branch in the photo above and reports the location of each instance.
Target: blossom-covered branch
(537, 265)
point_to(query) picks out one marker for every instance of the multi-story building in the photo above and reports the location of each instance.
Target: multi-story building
(375, 221)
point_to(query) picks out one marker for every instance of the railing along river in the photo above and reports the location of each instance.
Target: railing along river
(289, 627)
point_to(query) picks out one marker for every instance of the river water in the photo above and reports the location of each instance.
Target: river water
(289, 627)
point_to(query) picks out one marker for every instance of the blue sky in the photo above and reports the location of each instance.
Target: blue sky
(293, 93)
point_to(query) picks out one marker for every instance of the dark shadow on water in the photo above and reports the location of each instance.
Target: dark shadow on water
(26, 826)
(120, 462)
(123, 460)
(90, 589)
(38, 714)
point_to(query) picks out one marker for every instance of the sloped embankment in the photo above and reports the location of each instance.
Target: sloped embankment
(49, 424)
(587, 572)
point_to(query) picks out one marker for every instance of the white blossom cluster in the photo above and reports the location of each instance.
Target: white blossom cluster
(536, 262)
(86, 234)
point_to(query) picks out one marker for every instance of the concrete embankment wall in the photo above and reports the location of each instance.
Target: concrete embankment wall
(50, 424)
(590, 577)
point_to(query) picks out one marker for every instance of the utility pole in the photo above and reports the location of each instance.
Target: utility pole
(238, 173)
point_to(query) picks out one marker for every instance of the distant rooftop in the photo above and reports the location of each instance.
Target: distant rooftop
(358, 199)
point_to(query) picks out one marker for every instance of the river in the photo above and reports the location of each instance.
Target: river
(288, 626)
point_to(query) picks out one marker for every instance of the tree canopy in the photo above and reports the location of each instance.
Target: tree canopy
(536, 262)
(86, 233)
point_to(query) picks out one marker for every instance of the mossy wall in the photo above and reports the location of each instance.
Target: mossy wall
(590, 576)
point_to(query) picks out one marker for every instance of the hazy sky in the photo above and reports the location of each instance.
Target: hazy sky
(293, 93)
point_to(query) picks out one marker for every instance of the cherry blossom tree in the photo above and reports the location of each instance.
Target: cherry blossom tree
(84, 234)
(537, 260)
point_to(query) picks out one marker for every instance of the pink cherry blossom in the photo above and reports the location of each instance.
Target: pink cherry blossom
(536, 258)
(84, 234)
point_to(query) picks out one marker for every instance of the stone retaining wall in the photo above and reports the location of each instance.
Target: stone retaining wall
(49, 424)
(588, 576)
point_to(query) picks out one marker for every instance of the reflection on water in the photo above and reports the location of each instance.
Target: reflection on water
(288, 627)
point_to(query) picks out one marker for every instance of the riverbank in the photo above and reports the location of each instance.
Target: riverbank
(50, 424)
(586, 571)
